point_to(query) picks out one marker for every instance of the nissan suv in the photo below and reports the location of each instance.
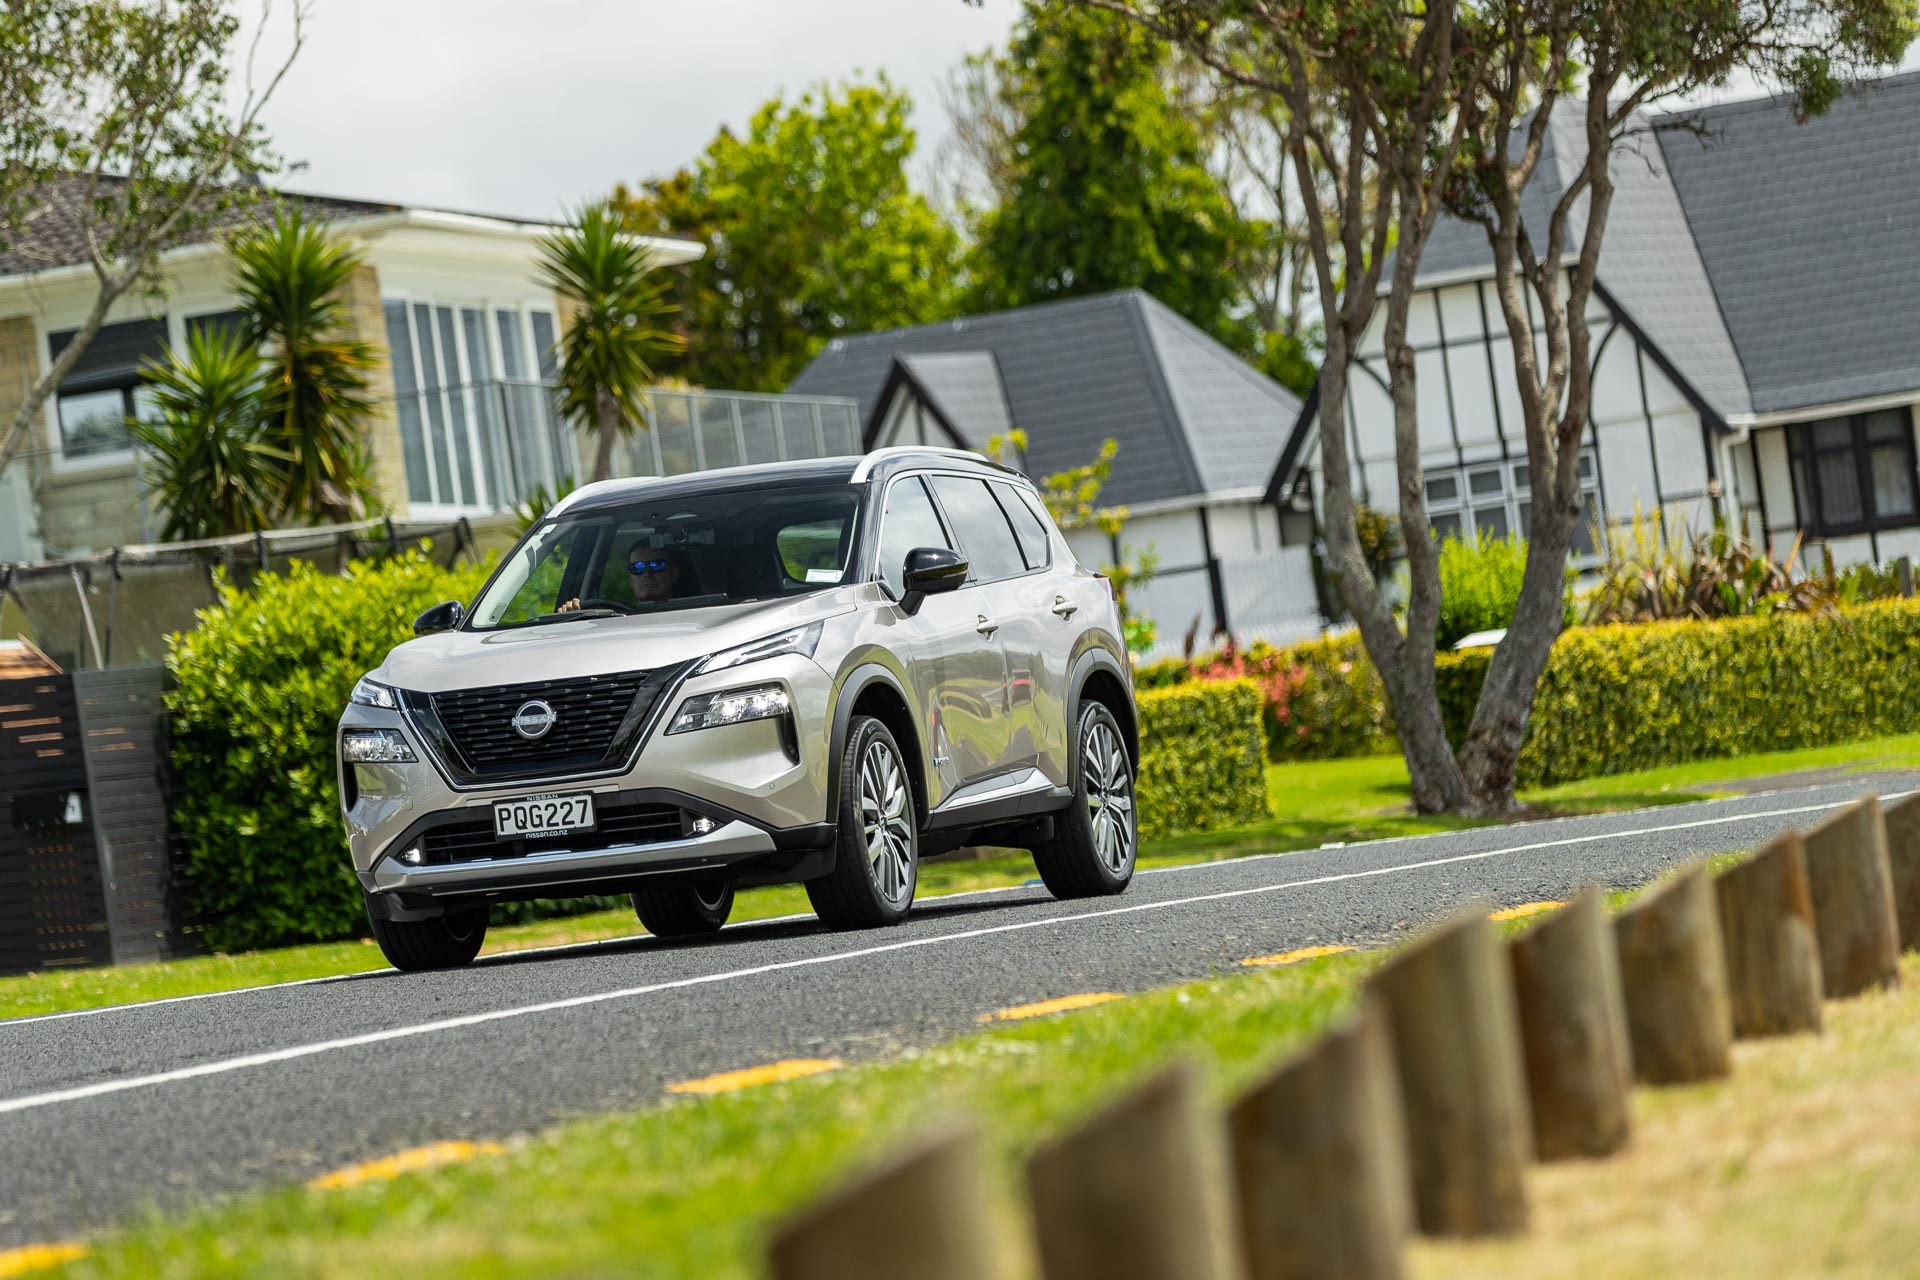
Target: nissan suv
(810, 672)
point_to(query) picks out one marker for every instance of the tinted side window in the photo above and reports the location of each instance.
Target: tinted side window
(1026, 525)
(909, 521)
(985, 536)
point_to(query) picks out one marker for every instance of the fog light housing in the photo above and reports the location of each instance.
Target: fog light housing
(375, 746)
(734, 706)
(413, 857)
(704, 826)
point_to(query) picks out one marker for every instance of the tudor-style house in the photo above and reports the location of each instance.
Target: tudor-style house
(1757, 341)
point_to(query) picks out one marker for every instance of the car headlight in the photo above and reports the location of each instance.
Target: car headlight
(375, 746)
(800, 640)
(734, 706)
(369, 693)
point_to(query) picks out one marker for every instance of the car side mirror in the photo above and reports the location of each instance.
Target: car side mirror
(445, 616)
(931, 571)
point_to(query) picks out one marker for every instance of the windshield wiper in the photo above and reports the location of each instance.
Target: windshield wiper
(570, 615)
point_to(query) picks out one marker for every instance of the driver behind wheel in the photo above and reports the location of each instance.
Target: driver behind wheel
(651, 572)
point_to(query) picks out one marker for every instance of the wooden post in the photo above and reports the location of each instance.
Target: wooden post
(1139, 1190)
(1320, 1161)
(1903, 575)
(1456, 1047)
(1674, 972)
(1852, 887)
(923, 1213)
(1903, 863)
(1773, 957)
(1573, 1031)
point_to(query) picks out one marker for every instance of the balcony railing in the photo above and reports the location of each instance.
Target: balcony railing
(485, 446)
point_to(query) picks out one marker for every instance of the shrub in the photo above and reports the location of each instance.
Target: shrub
(259, 686)
(1653, 574)
(1200, 758)
(1323, 698)
(1619, 698)
(1480, 584)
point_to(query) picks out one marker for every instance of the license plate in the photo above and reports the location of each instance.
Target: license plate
(542, 816)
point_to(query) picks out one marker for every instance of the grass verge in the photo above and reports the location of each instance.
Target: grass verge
(1313, 803)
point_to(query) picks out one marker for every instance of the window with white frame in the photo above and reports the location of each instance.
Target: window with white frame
(1494, 499)
(477, 426)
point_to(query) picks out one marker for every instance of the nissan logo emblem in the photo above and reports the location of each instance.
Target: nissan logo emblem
(534, 719)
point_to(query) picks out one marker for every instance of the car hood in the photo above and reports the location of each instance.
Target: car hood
(595, 646)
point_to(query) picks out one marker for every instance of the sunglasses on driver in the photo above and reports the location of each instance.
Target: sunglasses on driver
(649, 566)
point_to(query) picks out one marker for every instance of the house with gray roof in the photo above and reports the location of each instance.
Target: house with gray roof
(1198, 429)
(1757, 341)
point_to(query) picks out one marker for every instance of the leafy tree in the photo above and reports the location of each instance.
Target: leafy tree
(116, 132)
(1106, 185)
(1447, 105)
(292, 277)
(212, 465)
(812, 230)
(613, 333)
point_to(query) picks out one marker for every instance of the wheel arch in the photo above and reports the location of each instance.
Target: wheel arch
(1098, 676)
(872, 689)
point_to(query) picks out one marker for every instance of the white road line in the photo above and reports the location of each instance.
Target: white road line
(224, 1065)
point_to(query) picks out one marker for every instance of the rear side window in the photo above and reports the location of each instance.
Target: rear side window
(1027, 526)
(909, 521)
(980, 524)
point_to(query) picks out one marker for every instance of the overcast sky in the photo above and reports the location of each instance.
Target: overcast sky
(511, 106)
(508, 106)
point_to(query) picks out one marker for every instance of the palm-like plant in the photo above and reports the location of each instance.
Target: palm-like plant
(212, 466)
(292, 277)
(613, 332)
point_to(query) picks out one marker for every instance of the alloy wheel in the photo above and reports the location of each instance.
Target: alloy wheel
(886, 818)
(1109, 790)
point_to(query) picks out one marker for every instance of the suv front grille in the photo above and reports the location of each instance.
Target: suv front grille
(587, 714)
(616, 823)
(597, 719)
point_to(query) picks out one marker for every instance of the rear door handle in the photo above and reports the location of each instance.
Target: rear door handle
(984, 627)
(1064, 608)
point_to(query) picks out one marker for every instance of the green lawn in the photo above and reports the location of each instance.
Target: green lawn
(1313, 804)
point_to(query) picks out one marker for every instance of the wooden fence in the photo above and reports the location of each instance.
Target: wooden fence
(1468, 1059)
(89, 867)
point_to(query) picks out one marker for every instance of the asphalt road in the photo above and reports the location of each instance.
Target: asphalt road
(173, 1102)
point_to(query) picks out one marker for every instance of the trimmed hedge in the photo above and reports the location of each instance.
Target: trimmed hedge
(1619, 698)
(1201, 763)
(258, 690)
(1324, 701)
(1614, 699)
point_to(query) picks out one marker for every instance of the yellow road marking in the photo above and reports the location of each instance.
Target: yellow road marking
(387, 1168)
(1523, 910)
(1059, 1004)
(1295, 957)
(772, 1073)
(38, 1257)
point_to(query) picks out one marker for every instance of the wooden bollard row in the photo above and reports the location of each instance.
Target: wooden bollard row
(1462, 1065)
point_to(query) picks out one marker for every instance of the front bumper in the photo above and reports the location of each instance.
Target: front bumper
(765, 807)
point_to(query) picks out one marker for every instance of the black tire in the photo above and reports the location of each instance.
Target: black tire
(1091, 856)
(444, 942)
(868, 889)
(685, 910)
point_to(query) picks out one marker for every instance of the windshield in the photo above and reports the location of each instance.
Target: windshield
(670, 553)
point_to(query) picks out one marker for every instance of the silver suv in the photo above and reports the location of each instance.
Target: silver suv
(816, 672)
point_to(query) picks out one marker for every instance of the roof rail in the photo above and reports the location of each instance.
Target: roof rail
(878, 456)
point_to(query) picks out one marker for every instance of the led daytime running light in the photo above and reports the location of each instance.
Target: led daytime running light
(734, 706)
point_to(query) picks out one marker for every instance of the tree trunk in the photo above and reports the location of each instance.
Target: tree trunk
(1320, 1161)
(1773, 959)
(1674, 972)
(924, 1213)
(1139, 1190)
(607, 434)
(1573, 1031)
(1456, 1044)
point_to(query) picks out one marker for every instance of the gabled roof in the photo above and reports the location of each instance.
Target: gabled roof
(1190, 417)
(1810, 233)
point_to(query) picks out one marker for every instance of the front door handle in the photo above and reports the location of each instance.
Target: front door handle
(1064, 608)
(984, 627)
